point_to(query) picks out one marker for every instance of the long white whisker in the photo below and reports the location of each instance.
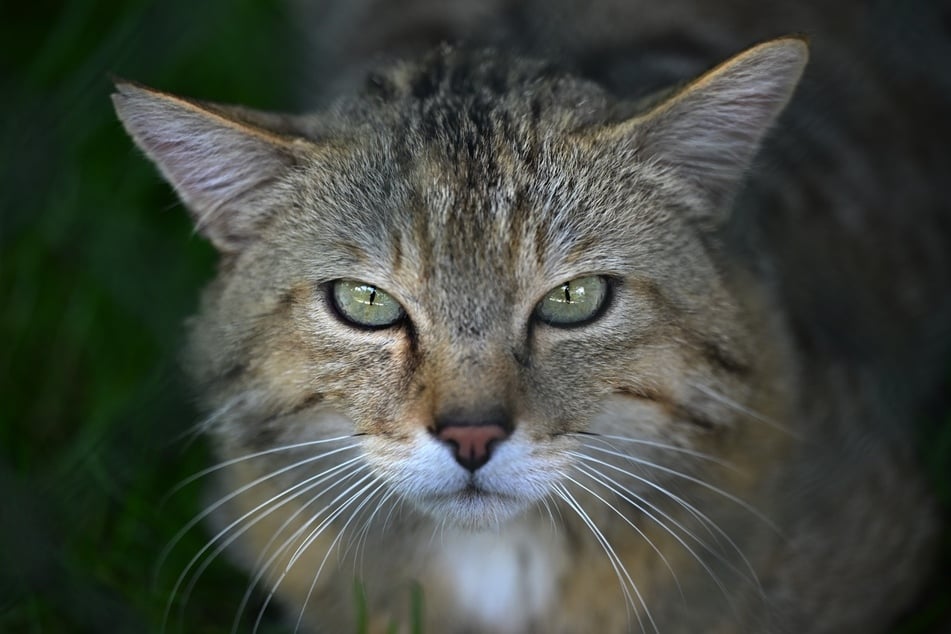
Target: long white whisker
(306, 485)
(696, 513)
(364, 532)
(743, 409)
(354, 540)
(224, 500)
(704, 520)
(640, 502)
(314, 534)
(658, 445)
(233, 461)
(311, 538)
(587, 443)
(551, 516)
(603, 439)
(380, 485)
(395, 507)
(613, 559)
(679, 474)
(196, 430)
(218, 504)
(263, 566)
(627, 521)
(324, 476)
(619, 490)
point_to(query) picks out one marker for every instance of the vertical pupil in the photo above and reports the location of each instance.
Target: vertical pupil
(567, 292)
(372, 294)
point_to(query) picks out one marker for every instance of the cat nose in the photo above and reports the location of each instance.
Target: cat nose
(473, 438)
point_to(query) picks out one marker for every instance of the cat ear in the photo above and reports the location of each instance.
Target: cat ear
(221, 160)
(710, 130)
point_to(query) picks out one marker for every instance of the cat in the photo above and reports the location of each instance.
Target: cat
(611, 322)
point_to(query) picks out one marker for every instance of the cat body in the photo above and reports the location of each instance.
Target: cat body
(569, 357)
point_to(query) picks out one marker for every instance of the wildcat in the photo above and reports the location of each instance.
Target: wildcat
(612, 326)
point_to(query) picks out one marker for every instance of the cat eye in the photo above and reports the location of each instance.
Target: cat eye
(365, 305)
(575, 302)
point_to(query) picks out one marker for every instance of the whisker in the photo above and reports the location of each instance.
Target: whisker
(701, 517)
(627, 521)
(743, 409)
(224, 500)
(355, 471)
(314, 534)
(308, 485)
(436, 531)
(263, 566)
(233, 461)
(613, 559)
(166, 552)
(380, 485)
(619, 490)
(637, 502)
(705, 522)
(363, 534)
(659, 445)
(551, 515)
(395, 507)
(194, 432)
(679, 474)
(310, 538)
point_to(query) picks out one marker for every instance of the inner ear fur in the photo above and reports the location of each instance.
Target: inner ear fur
(223, 161)
(709, 131)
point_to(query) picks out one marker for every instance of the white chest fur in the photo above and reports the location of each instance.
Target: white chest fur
(504, 579)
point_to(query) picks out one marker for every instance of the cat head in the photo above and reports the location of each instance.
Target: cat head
(475, 267)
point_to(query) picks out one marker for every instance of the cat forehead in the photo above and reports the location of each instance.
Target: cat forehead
(469, 166)
(478, 212)
(479, 131)
(452, 91)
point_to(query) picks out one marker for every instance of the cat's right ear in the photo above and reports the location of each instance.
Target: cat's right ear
(223, 162)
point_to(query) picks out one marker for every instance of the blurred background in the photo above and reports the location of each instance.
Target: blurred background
(98, 269)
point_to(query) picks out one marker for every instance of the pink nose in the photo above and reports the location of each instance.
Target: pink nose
(472, 443)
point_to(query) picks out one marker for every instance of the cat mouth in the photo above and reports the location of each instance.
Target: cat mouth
(473, 506)
(474, 490)
(470, 491)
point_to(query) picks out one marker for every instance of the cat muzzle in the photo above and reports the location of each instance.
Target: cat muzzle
(472, 441)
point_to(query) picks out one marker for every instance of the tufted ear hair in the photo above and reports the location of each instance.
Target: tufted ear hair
(223, 161)
(709, 130)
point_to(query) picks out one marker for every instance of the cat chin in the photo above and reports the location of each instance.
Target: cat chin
(473, 509)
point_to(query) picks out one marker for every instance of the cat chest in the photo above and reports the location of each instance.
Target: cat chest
(503, 580)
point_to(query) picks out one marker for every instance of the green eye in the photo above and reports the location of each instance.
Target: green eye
(365, 304)
(574, 302)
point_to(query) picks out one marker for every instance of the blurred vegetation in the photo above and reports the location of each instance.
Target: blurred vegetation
(98, 267)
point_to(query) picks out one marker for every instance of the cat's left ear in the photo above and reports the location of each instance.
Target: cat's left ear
(223, 161)
(709, 131)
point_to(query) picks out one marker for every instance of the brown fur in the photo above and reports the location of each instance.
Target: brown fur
(747, 474)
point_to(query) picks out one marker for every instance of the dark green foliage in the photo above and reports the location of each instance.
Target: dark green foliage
(98, 268)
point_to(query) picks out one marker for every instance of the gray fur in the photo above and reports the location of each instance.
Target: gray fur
(737, 449)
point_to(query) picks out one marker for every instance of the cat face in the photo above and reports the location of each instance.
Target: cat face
(470, 269)
(480, 280)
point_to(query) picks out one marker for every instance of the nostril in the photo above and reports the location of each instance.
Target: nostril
(472, 443)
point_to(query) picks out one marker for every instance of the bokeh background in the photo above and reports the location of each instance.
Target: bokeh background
(98, 268)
